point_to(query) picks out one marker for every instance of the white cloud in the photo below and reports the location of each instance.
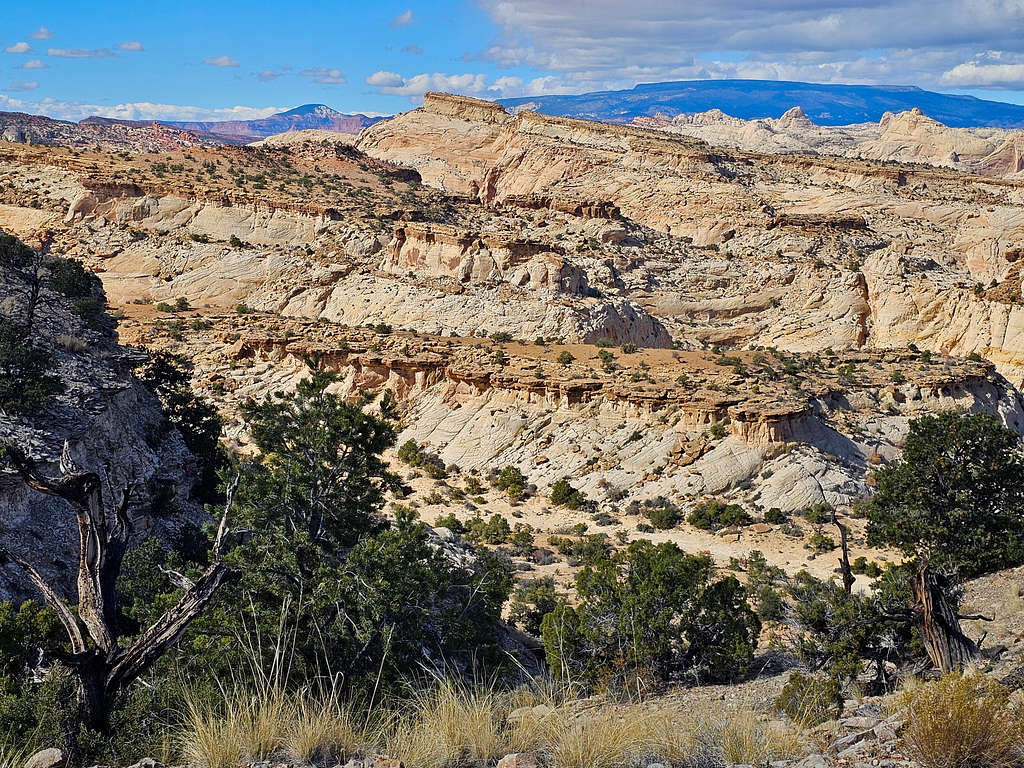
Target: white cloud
(42, 34)
(18, 86)
(402, 20)
(220, 61)
(18, 48)
(325, 75)
(385, 79)
(131, 45)
(81, 53)
(415, 50)
(393, 84)
(73, 110)
(592, 44)
(33, 64)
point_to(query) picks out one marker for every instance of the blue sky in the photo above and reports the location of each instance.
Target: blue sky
(218, 60)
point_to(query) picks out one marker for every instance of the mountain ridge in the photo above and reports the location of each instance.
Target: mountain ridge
(824, 104)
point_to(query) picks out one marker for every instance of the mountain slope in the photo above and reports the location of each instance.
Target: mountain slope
(824, 104)
(306, 117)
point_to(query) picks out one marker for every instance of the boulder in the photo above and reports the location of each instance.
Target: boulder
(47, 758)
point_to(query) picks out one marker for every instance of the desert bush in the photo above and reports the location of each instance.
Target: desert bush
(27, 380)
(714, 515)
(531, 602)
(810, 700)
(648, 614)
(564, 495)
(664, 518)
(775, 516)
(963, 721)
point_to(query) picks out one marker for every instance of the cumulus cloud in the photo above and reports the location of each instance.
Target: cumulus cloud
(413, 49)
(402, 20)
(19, 86)
(480, 85)
(325, 75)
(130, 45)
(592, 44)
(42, 34)
(73, 110)
(18, 48)
(220, 61)
(385, 79)
(33, 64)
(81, 53)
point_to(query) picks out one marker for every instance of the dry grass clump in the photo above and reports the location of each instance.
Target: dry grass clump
(251, 726)
(11, 757)
(325, 731)
(963, 721)
(602, 737)
(449, 724)
(737, 737)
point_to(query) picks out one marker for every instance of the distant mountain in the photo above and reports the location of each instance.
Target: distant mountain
(749, 99)
(306, 117)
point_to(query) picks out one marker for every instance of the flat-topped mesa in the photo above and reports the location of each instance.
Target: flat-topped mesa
(464, 108)
(437, 250)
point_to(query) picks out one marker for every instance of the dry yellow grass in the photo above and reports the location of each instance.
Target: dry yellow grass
(450, 724)
(963, 721)
(601, 737)
(11, 757)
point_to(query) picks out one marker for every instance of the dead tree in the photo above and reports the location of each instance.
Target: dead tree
(103, 665)
(844, 559)
(947, 646)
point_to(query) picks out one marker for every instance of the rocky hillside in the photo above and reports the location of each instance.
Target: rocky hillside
(78, 402)
(653, 316)
(112, 135)
(907, 137)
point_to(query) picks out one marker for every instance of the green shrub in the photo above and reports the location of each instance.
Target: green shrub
(564, 495)
(513, 482)
(664, 518)
(811, 700)
(531, 602)
(69, 278)
(775, 516)
(90, 309)
(163, 306)
(415, 456)
(27, 381)
(648, 614)
(713, 515)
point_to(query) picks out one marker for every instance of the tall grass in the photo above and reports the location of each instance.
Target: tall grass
(11, 757)
(963, 721)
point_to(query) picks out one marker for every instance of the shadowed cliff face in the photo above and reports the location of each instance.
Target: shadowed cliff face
(111, 425)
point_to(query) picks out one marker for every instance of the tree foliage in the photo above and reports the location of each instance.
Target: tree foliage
(650, 614)
(956, 498)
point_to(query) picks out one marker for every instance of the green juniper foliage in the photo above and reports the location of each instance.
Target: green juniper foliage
(650, 614)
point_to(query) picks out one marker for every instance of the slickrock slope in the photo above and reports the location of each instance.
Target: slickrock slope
(793, 251)
(761, 429)
(906, 137)
(641, 311)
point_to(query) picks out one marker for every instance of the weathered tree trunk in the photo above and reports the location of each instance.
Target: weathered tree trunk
(94, 707)
(102, 665)
(947, 646)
